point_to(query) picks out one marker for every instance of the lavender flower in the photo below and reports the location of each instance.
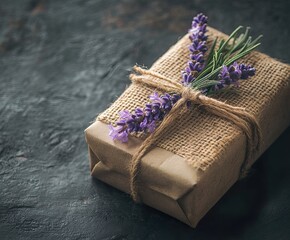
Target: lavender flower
(143, 120)
(198, 28)
(232, 74)
(197, 49)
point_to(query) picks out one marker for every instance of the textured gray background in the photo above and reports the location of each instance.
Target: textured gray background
(63, 62)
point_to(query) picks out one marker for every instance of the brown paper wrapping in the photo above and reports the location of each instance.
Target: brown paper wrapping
(168, 182)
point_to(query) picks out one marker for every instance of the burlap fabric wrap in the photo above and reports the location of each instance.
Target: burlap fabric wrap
(199, 136)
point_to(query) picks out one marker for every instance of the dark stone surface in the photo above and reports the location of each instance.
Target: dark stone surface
(63, 62)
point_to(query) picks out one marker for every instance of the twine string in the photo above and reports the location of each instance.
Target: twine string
(237, 115)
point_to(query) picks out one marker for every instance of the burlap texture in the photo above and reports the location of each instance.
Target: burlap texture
(199, 137)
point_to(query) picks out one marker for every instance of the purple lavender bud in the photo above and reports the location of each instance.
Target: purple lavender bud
(235, 72)
(118, 133)
(224, 75)
(139, 112)
(247, 71)
(197, 57)
(194, 66)
(154, 97)
(187, 78)
(230, 75)
(200, 19)
(125, 114)
(198, 47)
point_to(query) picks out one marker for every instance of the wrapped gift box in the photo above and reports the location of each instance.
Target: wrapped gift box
(200, 157)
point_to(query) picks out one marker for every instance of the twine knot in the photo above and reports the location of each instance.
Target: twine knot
(190, 95)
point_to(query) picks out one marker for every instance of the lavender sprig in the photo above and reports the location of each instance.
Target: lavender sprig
(143, 120)
(231, 75)
(219, 71)
(197, 49)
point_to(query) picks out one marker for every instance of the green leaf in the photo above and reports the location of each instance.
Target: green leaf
(208, 76)
(256, 40)
(205, 71)
(211, 52)
(240, 55)
(229, 38)
(205, 84)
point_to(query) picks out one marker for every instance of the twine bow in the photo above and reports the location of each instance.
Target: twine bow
(237, 115)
